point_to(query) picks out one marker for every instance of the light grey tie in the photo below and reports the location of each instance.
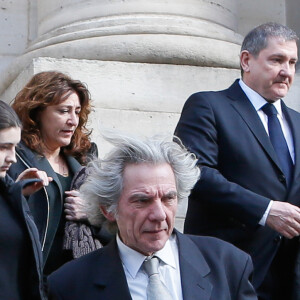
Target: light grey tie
(156, 290)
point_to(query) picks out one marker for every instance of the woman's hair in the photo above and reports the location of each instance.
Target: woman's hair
(46, 89)
(8, 117)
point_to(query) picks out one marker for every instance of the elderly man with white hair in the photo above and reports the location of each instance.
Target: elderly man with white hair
(136, 190)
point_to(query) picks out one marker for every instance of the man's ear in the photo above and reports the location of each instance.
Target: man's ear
(244, 59)
(108, 215)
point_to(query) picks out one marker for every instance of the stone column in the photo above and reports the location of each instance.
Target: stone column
(185, 32)
(188, 32)
(141, 59)
(166, 40)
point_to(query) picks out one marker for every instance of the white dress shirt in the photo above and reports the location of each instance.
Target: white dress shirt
(169, 270)
(258, 102)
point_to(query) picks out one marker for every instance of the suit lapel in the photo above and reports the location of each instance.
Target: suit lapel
(194, 270)
(34, 160)
(248, 113)
(294, 123)
(112, 283)
(73, 164)
(43, 164)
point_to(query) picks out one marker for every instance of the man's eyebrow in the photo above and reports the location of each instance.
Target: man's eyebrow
(139, 195)
(7, 144)
(283, 55)
(171, 194)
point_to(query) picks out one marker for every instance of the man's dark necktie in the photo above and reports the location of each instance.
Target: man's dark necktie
(278, 141)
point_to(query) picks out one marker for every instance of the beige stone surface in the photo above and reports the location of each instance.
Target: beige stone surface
(140, 99)
(177, 32)
(59, 13)
(141, 59)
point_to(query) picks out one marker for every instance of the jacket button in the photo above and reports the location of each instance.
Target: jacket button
(281, 178)
(277, 239)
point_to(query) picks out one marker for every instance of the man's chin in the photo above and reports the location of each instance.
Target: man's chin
(154, 246)
(277, 95)
(281, 91)
(280, 96)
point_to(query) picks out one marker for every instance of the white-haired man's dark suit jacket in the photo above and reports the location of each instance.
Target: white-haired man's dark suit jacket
(210, 269)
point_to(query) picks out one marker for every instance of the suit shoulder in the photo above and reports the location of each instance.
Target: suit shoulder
(220, 247)
(293, 111)
(216, 95)
(206, 99)
(207, 95)
(78, 266)
(203, 241)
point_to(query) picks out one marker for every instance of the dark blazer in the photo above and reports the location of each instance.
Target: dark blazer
(46, 205)
(12, 192)
(240, 172)
(210, 269)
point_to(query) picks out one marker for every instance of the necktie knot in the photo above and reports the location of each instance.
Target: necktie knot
(269, 109)
(151, 265)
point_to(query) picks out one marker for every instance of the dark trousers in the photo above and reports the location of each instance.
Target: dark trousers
(280, 282)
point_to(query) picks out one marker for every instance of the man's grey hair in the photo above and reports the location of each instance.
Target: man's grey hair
(104, 185)
(257, 39)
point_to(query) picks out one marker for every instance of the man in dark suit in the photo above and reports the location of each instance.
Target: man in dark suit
(137, 187)
(249, 191)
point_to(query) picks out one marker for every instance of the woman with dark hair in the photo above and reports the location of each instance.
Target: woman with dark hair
(20, 249)
(54, 111)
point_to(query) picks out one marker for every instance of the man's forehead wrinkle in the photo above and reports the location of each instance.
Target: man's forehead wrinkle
(148, 191)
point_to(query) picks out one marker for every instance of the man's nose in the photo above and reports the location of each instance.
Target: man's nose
(157, 211)
(287, 70)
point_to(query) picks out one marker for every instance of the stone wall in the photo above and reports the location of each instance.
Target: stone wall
(141, 59)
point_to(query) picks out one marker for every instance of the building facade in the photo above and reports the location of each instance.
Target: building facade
(141, 59)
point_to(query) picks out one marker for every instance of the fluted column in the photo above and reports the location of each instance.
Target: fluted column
(192, 32)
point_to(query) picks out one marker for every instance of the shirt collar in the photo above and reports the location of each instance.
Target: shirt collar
(133, 260)
(166, 254)
(256, 99)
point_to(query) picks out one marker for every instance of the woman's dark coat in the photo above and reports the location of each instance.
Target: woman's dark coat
(12, 192)
(46, 205)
